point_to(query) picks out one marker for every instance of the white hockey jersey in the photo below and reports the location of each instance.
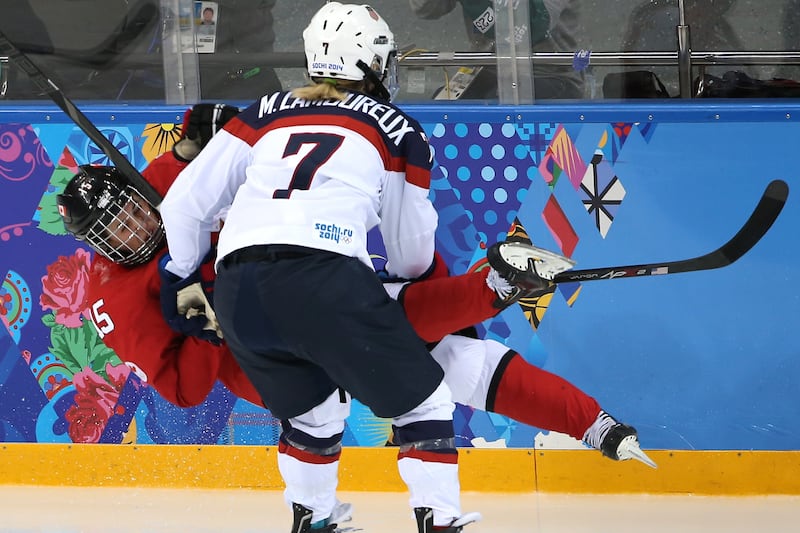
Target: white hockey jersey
(315, 174)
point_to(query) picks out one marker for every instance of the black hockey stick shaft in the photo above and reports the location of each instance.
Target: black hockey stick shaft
(762, 218)
(44, 83)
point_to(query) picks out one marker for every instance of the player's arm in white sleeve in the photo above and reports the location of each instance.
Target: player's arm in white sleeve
(201, 191)
(408, 218)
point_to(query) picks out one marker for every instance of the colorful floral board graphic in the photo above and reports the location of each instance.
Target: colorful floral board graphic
(607, 191)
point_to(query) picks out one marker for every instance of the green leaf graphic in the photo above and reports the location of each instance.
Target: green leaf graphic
(49, 220)
(80, 347)
(49, 320)
(68, 344)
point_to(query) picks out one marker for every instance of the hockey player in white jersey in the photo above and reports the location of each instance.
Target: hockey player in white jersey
(304, 175)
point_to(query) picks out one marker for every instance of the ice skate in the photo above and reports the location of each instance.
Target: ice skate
(616, 441)
(302, 521)
(343, 512)
(424, 517)
(520, 270)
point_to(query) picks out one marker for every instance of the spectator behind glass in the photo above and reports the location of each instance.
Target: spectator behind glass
(552, 28)
(651, 27)
(26, 30)
(243, 27)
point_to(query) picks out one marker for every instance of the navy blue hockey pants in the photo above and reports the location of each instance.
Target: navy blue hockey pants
(303, 322)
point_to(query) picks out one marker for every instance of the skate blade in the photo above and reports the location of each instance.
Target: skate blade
(342, 512)
(468, 518)
(631, 450)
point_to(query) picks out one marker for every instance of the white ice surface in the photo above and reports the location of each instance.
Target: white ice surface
(31, 509)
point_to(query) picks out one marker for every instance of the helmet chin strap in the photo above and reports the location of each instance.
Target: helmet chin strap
(378, 91)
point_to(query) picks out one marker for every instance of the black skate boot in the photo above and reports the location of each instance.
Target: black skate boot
(520, 270)
(425, 521)
(302, 521)
(616, 441)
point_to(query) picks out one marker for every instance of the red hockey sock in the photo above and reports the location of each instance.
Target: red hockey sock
(538, 398)
(438, 307)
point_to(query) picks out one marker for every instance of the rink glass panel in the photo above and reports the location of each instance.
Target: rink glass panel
(158, 50)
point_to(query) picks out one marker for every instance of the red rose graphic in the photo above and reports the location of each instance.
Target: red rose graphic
(64, 288)
(95, 403)
(118, 375)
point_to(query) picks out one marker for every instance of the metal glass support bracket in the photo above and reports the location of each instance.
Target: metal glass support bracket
(514, 64)
(179, 52)
(684, 54)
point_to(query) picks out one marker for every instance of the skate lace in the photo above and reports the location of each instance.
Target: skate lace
(597, 432)
(498, 284)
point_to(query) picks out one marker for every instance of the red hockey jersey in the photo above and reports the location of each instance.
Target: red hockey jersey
(125, 306)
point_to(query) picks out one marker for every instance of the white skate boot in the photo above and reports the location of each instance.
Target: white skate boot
(520, 270)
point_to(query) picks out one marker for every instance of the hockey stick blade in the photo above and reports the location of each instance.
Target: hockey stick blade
(44, 83)
(762, 218)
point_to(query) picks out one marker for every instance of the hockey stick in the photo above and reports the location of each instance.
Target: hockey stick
(82, 121)
(762, 218)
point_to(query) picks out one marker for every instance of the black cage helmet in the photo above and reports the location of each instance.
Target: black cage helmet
(101, 207)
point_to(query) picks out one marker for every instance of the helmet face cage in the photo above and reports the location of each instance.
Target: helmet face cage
(129, 231)
(100, 207)
(344, 41)
(390, 79)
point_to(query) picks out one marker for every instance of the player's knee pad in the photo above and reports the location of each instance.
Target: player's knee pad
(318, 431)
(429, 426)
(425, 436)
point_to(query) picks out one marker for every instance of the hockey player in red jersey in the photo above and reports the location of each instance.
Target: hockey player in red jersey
(124, 284)
(482, 373)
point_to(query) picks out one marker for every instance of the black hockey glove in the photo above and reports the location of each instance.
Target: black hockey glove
(185, 306)
(205, 120)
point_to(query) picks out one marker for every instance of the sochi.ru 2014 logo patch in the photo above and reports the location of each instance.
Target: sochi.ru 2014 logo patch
(333, 232)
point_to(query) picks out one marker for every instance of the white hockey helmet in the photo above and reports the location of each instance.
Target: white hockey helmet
(352, 42)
